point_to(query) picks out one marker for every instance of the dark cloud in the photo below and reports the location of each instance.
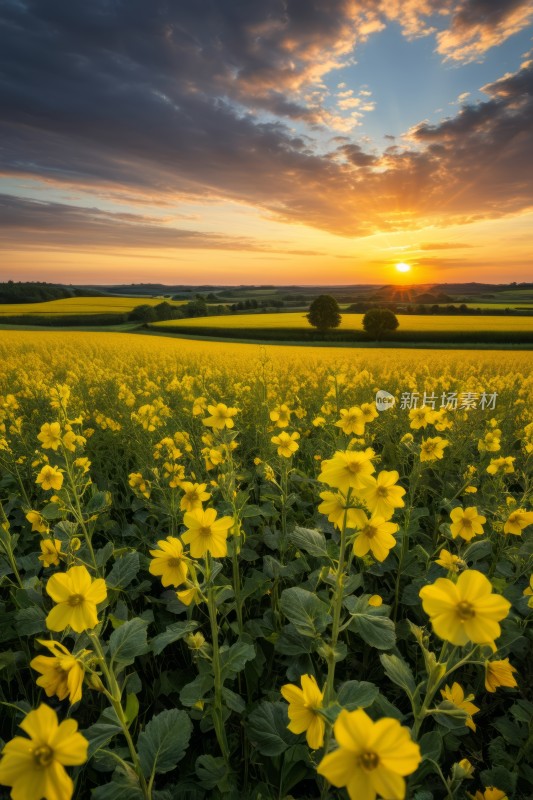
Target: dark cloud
(58, 225)
(165, 102)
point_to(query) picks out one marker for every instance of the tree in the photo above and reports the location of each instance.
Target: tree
(144, 313)
(379, 321)
(324, 313)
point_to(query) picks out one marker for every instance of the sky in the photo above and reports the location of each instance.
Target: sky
(266, 141)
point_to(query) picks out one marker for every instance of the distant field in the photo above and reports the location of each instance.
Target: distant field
(81, 305)
(484, 306)
(408, 322)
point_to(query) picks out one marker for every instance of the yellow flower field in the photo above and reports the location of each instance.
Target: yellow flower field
(408, 322)
(81, 305)
(243, 571)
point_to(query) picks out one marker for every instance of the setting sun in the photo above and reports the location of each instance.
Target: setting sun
(403, 267)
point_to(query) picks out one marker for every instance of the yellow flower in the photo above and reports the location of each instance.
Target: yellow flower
(188, 596)
(499, 673)
(37, 521)
(517, 521)
(491, 442)
(372, 758)
(467, 523)
(375, 601)
(304, 705)
(319, 422)
(50, 478)
(375, 535)
(369, 411)
(352, 421)
(50, 552)
(347, 469)
(334, 507)
(71, 440)
(199, 406)
(490, 793)
(82, 463)
(286, 443)
(456, 695)
(50, 435)
(77, 596)
(503, 464)
(136, 481)
(61, 674)
(450, 561)
(35, 767)
(407, 438)
(381, 495)
(194, 495)
(465, 611)
(466, 768)
(421, 417)
(195, 641)
(281, 416)
(221, 417)
(205, 533)
(168, 562)
(433, 449)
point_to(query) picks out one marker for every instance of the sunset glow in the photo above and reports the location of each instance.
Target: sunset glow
(301, 147)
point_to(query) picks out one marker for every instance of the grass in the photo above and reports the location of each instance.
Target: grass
(353, 322)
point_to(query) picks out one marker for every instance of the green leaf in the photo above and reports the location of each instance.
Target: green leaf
(30, 621)
(98, 503)
(498, 776)
(305, 610)
(267, 728)
(431, 745)
(173, 633)
(124, 570)
(310, 541)
(100, 734)
(128, 642)
(233, 700)
(399, 672)
(164, 741)
(51, 512)
(122, 787)
(132, 708)
(378, 632)
(196, 690)
(233, 659)
(371, 624)
(210, 771)
(357, 694)
(450, 716)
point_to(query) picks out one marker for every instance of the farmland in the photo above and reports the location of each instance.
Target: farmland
(214, 556)
(82, 306)
(408, 322)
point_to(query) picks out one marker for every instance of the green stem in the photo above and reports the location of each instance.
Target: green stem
(114, 695)
(337, 609)
(79, 513)
(218, 719)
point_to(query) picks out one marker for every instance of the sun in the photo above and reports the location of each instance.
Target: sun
(402, 267)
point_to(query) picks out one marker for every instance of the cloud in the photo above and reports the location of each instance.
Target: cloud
(478, 25)
(172, 103)
(444, 246)
(58, 225)
(473, 26)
